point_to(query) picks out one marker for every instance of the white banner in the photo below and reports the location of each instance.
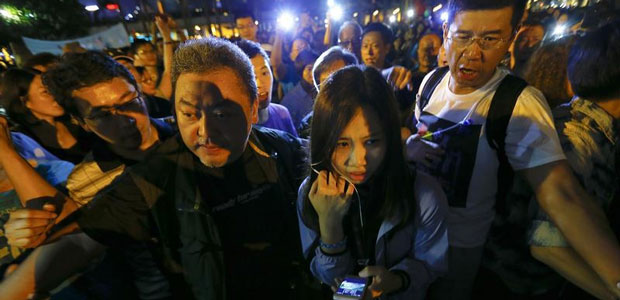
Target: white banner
(114, 37)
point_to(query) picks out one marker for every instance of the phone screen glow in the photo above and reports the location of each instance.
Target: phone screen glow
(352, 287)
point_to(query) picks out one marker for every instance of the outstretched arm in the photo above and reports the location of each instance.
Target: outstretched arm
(50, 265)
(164, 90)
(29, 225)
(571, 266)
(579, 219)
(279, 69)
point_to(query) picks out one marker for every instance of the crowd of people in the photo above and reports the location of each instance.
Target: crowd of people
(478, 160)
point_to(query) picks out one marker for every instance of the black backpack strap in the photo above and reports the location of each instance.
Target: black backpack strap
(431, 85)
(502, 105)
(427, 91)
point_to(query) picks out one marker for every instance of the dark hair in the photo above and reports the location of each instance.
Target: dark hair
(457, 6)
(594, 63)
(386, 33)
(532, 22)
(137, 43)
(251, 48)
(344, 92)
(546, 71)
(305, 57)
(328, 58)
(357, 28)
(14, 90)
(240, 14)
(208, 54)
(42, 59)
(79, 70)
(299, 37)
(124, 58)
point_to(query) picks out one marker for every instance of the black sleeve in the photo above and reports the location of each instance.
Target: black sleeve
(119, 213)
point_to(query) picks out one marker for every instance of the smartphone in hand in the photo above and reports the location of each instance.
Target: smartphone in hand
(351, 288)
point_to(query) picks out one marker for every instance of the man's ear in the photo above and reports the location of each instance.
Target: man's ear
(24, 100)
(445, 28)
(254, 111)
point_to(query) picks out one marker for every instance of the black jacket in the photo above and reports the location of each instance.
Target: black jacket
(160, 199)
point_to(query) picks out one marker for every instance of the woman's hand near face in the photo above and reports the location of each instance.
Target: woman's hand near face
(330, 195)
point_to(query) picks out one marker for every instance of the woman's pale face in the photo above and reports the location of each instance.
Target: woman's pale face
(361, 148)
(40, 102)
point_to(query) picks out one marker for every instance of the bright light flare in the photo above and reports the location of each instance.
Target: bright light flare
(560, 30)
(335, 12)
(444, 16)
(286, 21)
(392, 19)
(437, 8)
(8, 15)
(91, 7)
(410, 13)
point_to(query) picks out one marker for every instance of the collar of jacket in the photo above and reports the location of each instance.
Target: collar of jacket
(608, 125)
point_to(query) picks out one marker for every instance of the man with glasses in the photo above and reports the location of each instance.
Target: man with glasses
(104, 98)
(248, 29)
(350, 38)
(472, 141)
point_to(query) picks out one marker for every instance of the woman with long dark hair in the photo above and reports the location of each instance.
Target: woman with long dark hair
(362, 211)
(39, 116)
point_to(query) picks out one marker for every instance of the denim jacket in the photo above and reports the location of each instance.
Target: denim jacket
(419, 248)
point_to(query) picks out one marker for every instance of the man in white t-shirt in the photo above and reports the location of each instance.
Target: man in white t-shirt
(476, 37)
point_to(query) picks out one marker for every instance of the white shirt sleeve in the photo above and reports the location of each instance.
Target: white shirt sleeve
(531, 139)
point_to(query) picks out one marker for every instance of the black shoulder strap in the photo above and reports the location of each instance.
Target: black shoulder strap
(431, 85)
(502, 105)
(427, 91)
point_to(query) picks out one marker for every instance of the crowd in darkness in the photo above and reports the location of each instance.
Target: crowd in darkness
(476, 158)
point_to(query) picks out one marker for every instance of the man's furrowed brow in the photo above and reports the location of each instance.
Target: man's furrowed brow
(187, 102)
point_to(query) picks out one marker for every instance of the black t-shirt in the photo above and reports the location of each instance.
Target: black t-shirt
(249, 211)
(45, 134)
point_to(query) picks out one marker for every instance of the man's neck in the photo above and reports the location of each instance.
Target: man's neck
(42, 117)
(309, 88)
(263, 115)
(137, 154)
(611, 106)
(424, 69)
(151, 139)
